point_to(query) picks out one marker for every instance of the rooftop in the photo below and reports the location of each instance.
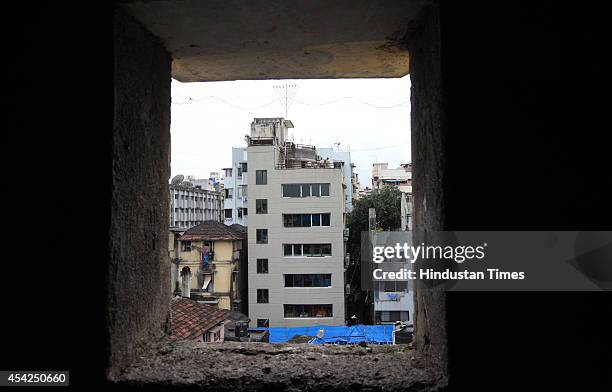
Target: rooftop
(191, 319)
(212, 231)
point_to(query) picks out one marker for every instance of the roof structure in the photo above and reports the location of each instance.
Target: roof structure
(212, 231)
(190, 319)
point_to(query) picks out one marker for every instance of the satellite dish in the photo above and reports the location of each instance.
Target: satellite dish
(187, 184)
(177, 179)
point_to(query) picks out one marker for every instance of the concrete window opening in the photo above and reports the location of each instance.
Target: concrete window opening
(379, 49)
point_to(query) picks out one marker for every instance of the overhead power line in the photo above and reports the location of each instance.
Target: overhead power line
(287, 97)
(226, 102)
(379, 148)
(356, 99)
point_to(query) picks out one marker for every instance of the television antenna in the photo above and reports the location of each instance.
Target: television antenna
(286, 94)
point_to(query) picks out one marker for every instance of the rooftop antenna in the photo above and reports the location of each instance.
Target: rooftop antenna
(286, 94)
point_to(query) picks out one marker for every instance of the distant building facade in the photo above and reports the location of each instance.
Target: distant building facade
(296, 238)
(347, 168)
(210, 265)
(235, 189)
(401, 177)
(392, 300)
(191, 205)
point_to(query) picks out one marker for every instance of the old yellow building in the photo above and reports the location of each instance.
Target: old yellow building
(209, 264)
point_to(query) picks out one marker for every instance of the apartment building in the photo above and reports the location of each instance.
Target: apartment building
(296, 237)
(235, 191)
(401, 177)
(392, 300)
(347, 168)
(191, 205)
(208, 265)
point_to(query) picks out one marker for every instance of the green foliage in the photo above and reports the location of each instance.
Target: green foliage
(387, 203)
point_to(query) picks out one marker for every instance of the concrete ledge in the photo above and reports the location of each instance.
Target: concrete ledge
(232, 366)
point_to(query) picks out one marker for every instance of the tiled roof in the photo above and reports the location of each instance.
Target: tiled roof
(213, 230)
(190, 319)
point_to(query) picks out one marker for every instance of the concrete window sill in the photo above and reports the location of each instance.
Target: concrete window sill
(232, 366)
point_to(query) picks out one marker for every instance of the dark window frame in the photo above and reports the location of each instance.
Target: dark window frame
(263, 296)
(259, 233)
(261, 206)
(261, 177)
(262, 266)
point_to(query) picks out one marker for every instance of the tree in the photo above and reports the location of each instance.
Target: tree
(387, 202)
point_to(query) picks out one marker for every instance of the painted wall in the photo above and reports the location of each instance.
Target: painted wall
(262, 158)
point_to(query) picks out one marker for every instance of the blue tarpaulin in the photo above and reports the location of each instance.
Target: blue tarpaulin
(374, 334)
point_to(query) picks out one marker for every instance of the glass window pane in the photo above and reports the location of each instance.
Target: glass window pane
(305, 190)
(326, 249)
(297, 220)
(305, 220)
(308, 280)
(287, 250)
(316, 190)
(287, 220)
(325, 218)
(297, 249)
(291, 190)
(316, 219)
(324, 189)
(307, 249)
(298, 280)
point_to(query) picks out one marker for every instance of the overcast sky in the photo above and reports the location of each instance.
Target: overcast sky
(369, 117)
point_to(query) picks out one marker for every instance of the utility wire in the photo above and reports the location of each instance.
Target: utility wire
(224, 101)
(378, 148)
(356, 99)
(405, 103)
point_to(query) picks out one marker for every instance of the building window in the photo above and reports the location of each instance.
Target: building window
(392, 316)
(186, 246)
(262, 296)
(306, 220)
(323, 310)
(261, 206)
(307, 280)
(228, 213)
(307, 250)
(263, 323)
(305, 190)
(262, 236)
(324, 189)
(245, 211)
(228, 172)
(228, 193)
(243, 166)
(262, 266)
(261, 177)
(239, 171)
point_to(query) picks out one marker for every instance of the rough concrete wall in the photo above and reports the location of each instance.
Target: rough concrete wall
(138, 281)
(428, 129)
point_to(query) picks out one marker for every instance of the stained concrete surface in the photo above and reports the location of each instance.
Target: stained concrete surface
(138, 272)
(263, 39)
(231, 366)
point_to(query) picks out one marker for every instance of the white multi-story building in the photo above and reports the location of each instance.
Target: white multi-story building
(191, 205)
(401, 177)
(235, 189)
(392, 300)
(343, 156)
(296, 236)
